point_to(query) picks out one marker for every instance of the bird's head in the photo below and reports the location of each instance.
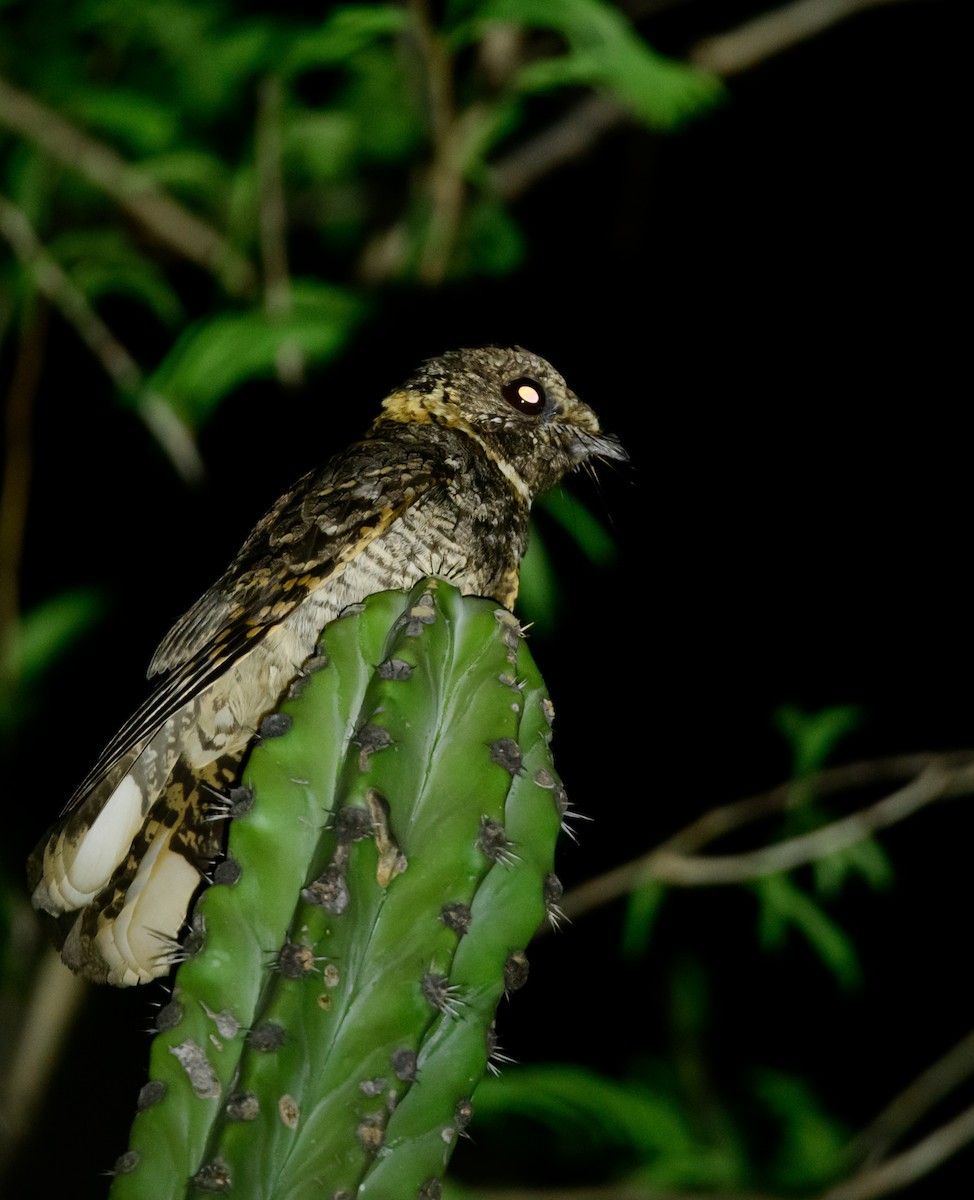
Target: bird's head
(514, 405)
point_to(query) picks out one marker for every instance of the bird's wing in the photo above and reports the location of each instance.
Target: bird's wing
(327, 518)
(305, 540)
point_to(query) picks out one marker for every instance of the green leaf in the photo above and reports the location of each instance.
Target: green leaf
(193, 174)
(220, 353)
(342, 35)
(607, 54)
(243, 54)
(588, 532)
(812, 1145)
(643, 905)
(490, 241)
(587, 1112)
(102, 262)
(483, 129)
(865, 858)
(47, 630)
(242, 204)
(813, 736)
(28, 182)
(570, 70)
(135, 120)
(580, 1105)
(537, 598)
(784, 906)
(208, 58)
(383, 100)
(320, 144)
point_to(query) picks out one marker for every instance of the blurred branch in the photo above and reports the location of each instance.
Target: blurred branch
(445, 181)
(133, 191)
(52, 282)
(562, 142)
(17, 469)
(443, 184)
(912, 1104)
(724, 54)
(935, 776)
(51, 1008)
(272, 217)
(774, 32)
(273, 208)
(911, 1165)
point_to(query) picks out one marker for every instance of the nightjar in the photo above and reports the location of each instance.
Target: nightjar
(440, 485)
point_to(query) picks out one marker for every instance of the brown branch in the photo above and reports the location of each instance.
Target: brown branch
(936, 776)
(500, 53)
(725, 54)
(873, 1144)
(49, 1015)
(52, 282)
(773, 33)
(906, 1168)
(444, 179)
(272, 205)
(686, 870)
(17, 470)
(272, 215)
(568, 138)
(131, 189)
(564, 141)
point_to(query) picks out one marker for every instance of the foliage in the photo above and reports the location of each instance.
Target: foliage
(225, 112)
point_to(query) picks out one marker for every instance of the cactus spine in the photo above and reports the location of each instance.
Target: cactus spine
(389, 859)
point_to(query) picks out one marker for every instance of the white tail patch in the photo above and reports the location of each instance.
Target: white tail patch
(77, 868)
(156, 903)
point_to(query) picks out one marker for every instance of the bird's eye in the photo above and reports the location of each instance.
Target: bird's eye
(524, 394)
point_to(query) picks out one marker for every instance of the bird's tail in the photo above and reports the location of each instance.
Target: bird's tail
(120, 885)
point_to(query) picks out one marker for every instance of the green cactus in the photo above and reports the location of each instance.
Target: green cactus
(389, 859)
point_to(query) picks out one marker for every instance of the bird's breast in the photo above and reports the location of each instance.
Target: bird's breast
(423, 541)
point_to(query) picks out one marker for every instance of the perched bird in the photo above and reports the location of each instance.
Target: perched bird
(441, 485)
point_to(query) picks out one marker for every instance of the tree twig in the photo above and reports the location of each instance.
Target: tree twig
(913, 1164)
(936, 776)
(50, 1012)
(873, 1144)
(725, 54)
(52, 282)
(131, 189)
(17, 469)
(444, 179)
(772, 33)
(272, 205)
(565, 140)
(272, 214)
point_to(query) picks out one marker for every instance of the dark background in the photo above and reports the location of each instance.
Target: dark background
(766, 309)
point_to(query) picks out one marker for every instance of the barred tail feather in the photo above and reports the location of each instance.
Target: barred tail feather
(81, 853)
(78, 857)
(133, 868)
(132, 945)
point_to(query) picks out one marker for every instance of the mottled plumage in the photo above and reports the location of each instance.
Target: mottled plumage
(442, 485)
